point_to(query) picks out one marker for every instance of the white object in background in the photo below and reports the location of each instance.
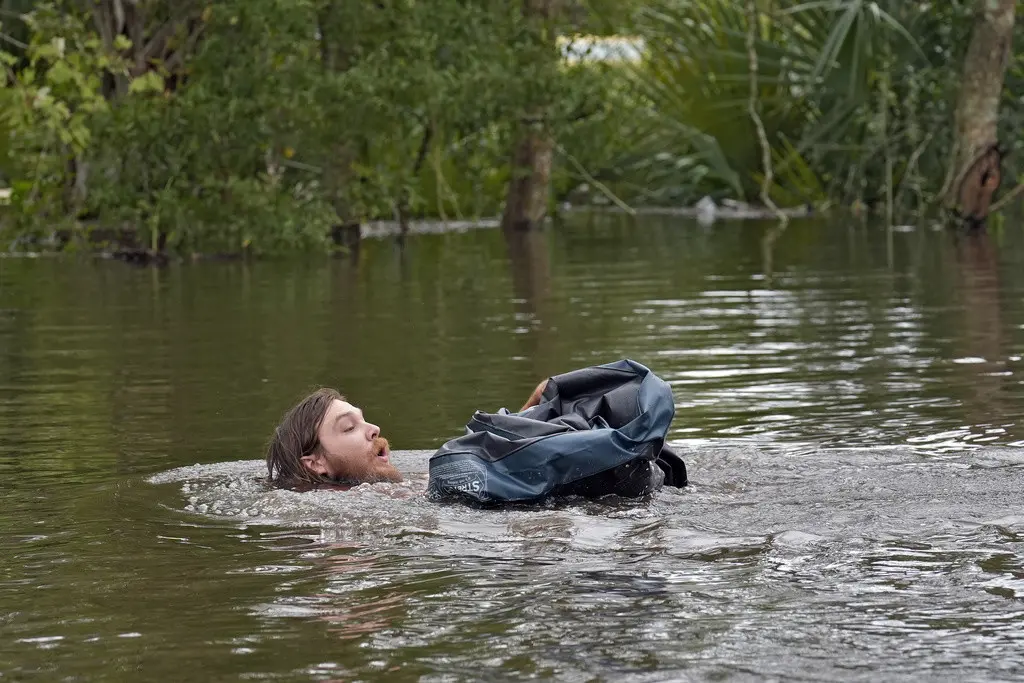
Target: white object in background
(706, 210)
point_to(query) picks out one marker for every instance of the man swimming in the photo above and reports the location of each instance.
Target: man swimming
(589, 432)
(325, 441)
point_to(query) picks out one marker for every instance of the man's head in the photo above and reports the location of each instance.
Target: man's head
(324, 440)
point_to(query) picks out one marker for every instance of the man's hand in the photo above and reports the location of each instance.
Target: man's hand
(535, 396)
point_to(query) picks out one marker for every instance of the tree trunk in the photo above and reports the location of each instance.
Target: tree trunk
(975, 171)
(526, 202)
(338, 174)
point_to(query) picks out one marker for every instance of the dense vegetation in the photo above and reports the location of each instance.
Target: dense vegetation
(229, 125)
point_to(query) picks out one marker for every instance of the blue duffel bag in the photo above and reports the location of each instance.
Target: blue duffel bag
(596, 431)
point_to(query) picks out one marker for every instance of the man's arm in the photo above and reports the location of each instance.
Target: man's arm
(535, 396)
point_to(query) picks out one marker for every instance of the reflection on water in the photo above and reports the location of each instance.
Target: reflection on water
(850, 418)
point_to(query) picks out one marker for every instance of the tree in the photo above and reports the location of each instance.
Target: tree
(527, 198)
(976, 167)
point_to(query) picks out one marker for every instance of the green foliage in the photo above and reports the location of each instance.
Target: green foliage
(843, 85)
(259, 124)
(1011, 123)
(619, 139)
(201, 166)
(48, 109)
(290, 117)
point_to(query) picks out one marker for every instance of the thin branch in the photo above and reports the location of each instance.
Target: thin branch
(911, 166)
(951, 172)
(118, 16)
(597, 183)
(401, 207)
(886, 148)
(291, 163)
(101, 19)
(158, 40)
(178, 58)
(753, 20)
(428, 134)
(1007, 198)
(13, 41)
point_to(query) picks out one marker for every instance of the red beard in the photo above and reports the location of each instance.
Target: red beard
(371, 468)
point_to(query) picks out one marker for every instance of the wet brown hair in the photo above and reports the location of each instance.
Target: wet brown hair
(296, 437)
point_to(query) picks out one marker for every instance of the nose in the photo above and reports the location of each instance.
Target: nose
(373, 431)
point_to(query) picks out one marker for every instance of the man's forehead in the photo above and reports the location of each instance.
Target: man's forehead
(340, 407)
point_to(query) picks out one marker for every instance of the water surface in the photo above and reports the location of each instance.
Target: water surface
(850, 414)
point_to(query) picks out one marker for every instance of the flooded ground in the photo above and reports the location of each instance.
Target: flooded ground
(850, 416)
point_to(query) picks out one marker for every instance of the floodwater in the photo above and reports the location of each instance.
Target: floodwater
(849, 410)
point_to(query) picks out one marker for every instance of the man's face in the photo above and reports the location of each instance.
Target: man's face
(352, 448)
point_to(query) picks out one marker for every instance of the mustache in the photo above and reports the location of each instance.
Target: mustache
(379, 444)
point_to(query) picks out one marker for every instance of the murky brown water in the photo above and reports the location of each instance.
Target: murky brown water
(851, 420)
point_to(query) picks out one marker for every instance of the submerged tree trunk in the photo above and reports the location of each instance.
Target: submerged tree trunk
(975, 172)
(526, 202)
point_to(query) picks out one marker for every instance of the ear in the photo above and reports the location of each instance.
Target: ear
(315, 464)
